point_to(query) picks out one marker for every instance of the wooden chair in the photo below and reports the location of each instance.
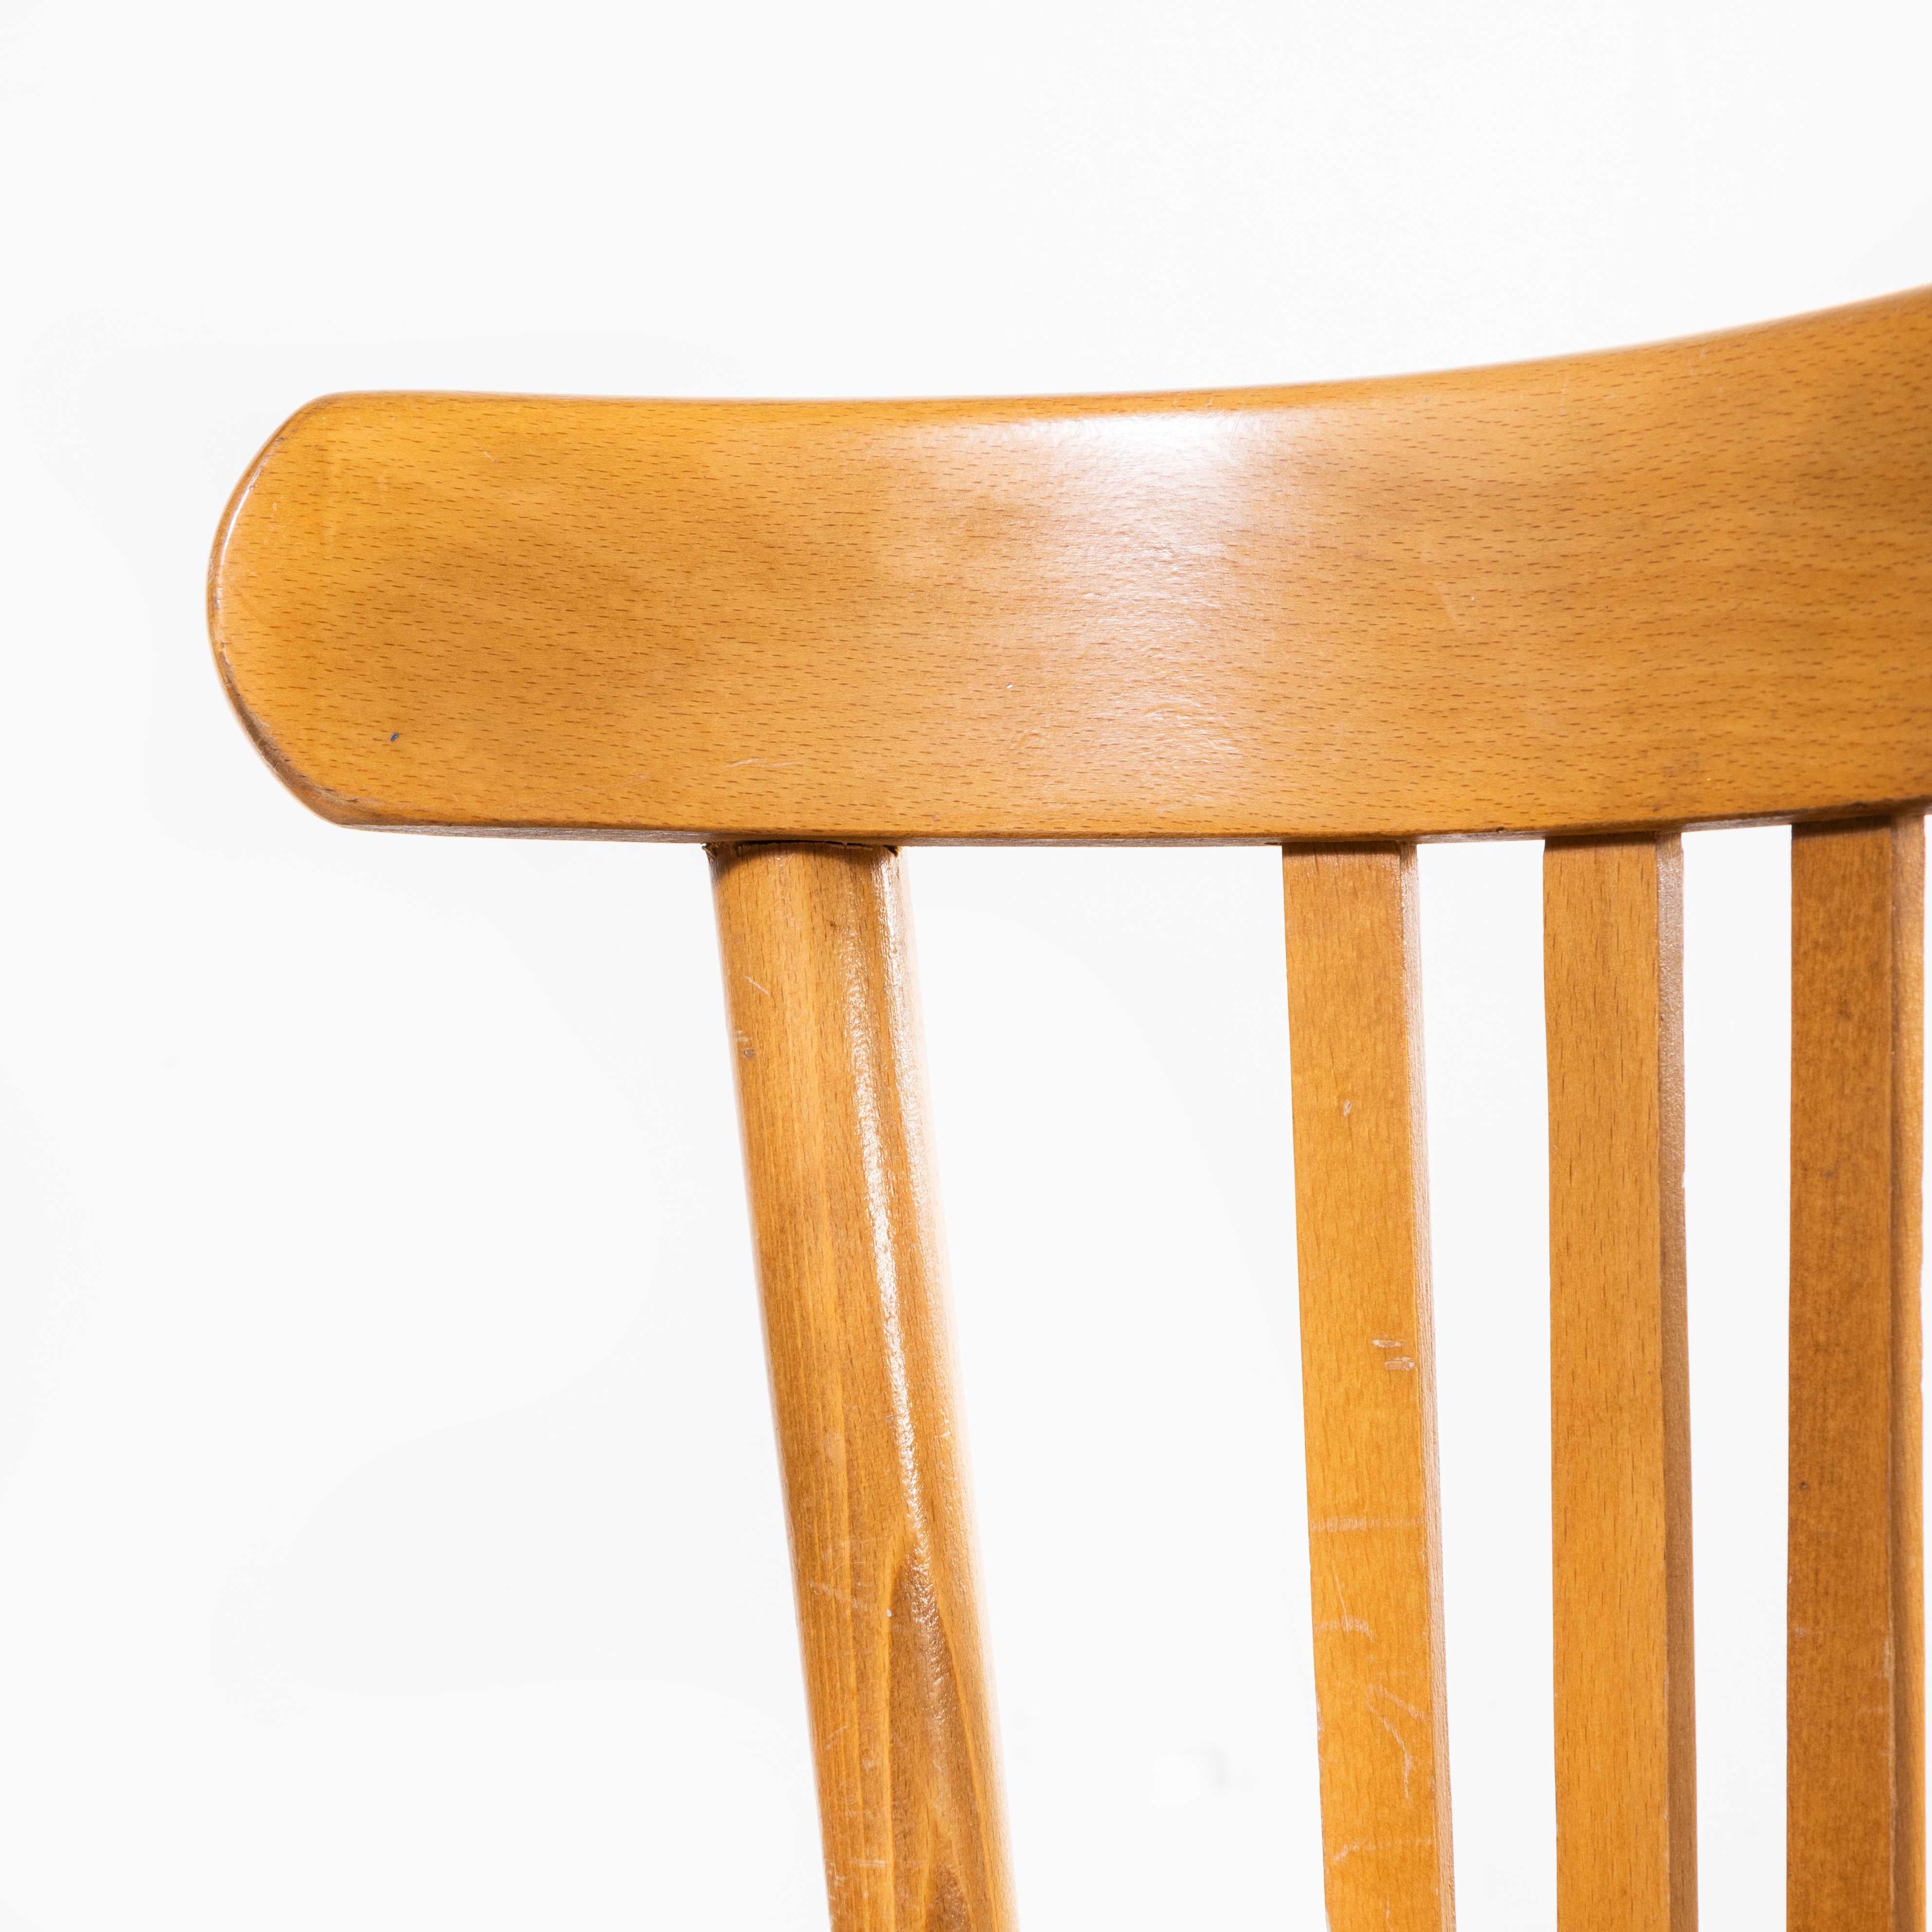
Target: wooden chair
(1594, 600)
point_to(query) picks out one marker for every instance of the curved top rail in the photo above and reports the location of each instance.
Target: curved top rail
(1680, 584)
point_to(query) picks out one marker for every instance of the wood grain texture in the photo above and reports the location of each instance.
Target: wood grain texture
(1626, 1742)
(1854, 1787)
(1368, 1364)
(1673, 585)
(826, 1042)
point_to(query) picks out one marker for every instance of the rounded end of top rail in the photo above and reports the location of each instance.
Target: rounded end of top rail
(242, 538)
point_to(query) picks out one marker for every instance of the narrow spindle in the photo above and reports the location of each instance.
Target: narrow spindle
(1855, 1783)
(1368, 1363)
(1626, 1775)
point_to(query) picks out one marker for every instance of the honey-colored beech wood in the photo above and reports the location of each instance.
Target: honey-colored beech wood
(1665, 586)
(1598, 599)
(1626, 1755)
(1855, 1790)
(1368, 1366)
(825, 1040)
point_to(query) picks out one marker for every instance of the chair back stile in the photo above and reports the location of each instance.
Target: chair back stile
(1595, 601)
(825, 1045)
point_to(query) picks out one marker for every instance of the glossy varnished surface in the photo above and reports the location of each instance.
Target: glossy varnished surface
(1677, 584)
(1855, 1784)
(1368, 1361)
(1610, 594)
(1619, 1395)
(825, 1039)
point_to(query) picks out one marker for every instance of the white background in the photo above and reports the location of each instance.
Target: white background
(390, 1534)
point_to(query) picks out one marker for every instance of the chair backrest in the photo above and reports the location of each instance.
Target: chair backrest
(1595, 600)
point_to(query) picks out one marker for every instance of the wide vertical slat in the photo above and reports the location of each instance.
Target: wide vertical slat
(1626, 1775)
(826, 1043)
(1368, 1378)
(1856, 1748)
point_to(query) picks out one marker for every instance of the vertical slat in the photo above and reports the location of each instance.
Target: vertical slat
(1626, 1775)
(1368, 1378)
(1854, 1751)
(826, 1043)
